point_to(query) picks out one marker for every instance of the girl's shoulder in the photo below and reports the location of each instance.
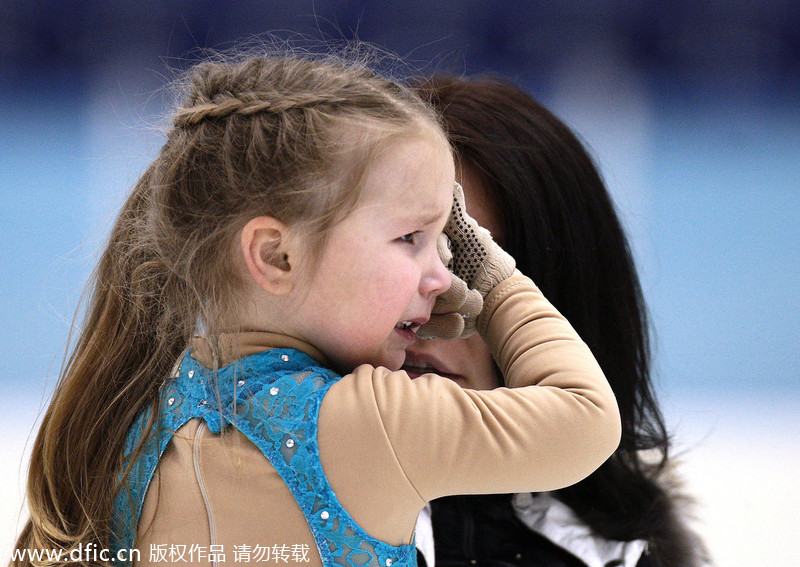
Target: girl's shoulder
(267, 381)
(252, 374)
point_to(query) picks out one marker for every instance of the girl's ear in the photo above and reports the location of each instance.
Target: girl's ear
(265, 246)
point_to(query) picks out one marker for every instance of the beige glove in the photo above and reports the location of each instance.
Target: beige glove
(456, 311)
(477, 263)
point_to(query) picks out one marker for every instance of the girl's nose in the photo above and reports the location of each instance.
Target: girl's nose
(437, 279)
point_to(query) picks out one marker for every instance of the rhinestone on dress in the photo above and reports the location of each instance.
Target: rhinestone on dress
(171, 401)
(388, 563)
(240, 383)
(273, 391)
(191, 374)
(324, 515)
(290, 443)
(285, 357)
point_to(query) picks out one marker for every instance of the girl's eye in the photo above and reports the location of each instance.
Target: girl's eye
(410, 238)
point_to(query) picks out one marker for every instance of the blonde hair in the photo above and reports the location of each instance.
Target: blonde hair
(288, 137)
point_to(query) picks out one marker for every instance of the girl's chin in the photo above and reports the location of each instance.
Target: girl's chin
(397, 360)
(391, 356)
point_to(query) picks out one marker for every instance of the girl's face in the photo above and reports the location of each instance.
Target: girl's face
(380, 274)
(466, 361)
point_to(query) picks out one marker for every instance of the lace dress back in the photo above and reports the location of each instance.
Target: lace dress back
(273, 398)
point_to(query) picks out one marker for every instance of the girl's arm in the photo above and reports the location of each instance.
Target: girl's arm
(389, 441)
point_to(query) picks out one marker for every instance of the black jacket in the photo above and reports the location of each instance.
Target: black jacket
(486, 531)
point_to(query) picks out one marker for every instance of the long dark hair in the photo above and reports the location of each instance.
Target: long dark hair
(560, 224)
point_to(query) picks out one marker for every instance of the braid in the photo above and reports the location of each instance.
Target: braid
(264, 85)
(251, 103)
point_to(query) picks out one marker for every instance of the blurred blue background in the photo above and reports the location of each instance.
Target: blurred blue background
(691, 109)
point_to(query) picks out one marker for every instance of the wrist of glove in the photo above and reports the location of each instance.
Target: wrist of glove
(477, 264)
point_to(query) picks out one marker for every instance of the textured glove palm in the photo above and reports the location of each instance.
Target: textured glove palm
(477, 264)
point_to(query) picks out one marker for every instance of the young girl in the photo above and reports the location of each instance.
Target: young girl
(291, 221)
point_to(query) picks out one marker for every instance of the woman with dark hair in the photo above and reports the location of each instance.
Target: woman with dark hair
(530, 181)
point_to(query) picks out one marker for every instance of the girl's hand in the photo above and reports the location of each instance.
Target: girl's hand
(477, 258)
(456, 311)
(477, 263)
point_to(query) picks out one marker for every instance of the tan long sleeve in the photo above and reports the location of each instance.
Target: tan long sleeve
(429, 438)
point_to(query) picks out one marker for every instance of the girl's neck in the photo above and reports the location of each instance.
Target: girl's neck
(226, 348)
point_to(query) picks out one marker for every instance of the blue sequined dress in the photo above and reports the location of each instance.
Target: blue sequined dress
(273, 398)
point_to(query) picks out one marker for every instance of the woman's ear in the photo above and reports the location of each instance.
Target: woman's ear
(265, 246)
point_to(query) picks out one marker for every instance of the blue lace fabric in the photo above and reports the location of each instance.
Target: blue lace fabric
(273, 398)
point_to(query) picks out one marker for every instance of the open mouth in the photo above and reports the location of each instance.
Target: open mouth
(407, 329)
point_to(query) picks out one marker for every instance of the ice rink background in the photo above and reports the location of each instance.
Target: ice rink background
(692, 115)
